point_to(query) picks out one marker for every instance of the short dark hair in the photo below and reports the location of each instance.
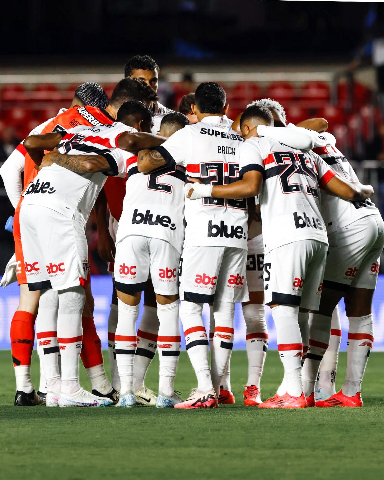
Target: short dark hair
(92, 94)
(210, 97)
(132, 89)
(175, 119)
(256, 112)
(186, 102)
(136, 109)
(140, 62)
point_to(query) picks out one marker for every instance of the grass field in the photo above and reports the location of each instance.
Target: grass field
(230, 442)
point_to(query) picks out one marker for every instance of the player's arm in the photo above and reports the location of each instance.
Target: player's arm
(149, 160)
(295, 137)
(37, 144)
(248, 186)
(317, 124)
(133, 142)
(11, 174)
(79, 163)
(353, 191)
(105, 244)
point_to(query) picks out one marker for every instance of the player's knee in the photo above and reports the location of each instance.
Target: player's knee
(29, 300)
(358, 302)
(166, 299)
(72, 300)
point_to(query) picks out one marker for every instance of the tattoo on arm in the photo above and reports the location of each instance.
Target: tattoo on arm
(80, 163)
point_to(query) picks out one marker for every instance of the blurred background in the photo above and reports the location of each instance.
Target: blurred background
(317, 58)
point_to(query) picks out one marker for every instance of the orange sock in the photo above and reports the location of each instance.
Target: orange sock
(91, 352)
(22, 337)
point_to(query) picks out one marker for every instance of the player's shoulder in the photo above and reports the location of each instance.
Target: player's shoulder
(261, 145)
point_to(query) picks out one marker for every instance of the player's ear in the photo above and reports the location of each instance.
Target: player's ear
(225, 109)
(193, 109)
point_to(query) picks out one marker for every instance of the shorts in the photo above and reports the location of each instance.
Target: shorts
(112, 227)
(55, 249)
(255, 264)
(20, 269)
(137, 257)
(213, 273)
(293, 274)
(354, 254)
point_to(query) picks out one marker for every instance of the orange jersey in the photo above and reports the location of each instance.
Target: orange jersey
(89, 116)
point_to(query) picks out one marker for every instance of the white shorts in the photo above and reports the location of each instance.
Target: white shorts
(255, 264)
(354, 254)
(55, 249)
(137, 257)
(112, 227)
(293, 274)
(213, 273)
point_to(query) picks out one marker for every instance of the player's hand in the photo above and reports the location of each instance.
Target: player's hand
(10, 272)
(252, 133)
(106, 247)
(193, 191)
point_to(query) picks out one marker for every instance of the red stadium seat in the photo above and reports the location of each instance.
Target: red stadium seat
(360, 94)
(334, 115)
(281, 91)
(296, 114)
(18, 116)
(12, 93)
(315, 91)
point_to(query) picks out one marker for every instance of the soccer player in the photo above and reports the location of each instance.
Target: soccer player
(23, 322)
(356, 240)
(293, 231)
(144, 67)
(149, 241)
(71, 197)
(185, 107)
(214, 254)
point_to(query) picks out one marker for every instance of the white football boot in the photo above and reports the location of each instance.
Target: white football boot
(168, 402)
(145, 396)
(82, 398)
(126, 400)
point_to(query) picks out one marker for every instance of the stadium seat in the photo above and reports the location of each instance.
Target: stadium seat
(315, 91)
(17, 116)
(360, 94)
(12, 93)
(296, 114)
(334, 115)
(281, 91)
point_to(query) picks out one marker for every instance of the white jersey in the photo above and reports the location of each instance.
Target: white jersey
(158, 114)
(154, 205)
(339, 213)
(289, 197)
(72, 194)
(209, 150)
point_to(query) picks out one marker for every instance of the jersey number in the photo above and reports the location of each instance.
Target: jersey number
(212, 173)
(297, 165)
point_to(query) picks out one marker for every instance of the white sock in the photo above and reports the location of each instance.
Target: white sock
(46, 333)
(256, 341)
(146, 345)
(70, 335)
(289, 345)
(327, 372)
(112, 325)
(43, 380)
(223, 313)
(98, 379)
(168, 344)
(23, 378)
(226, 378)
(196, 342)
(360, 340)
(304, 330)
(319, 333)
(126, 343)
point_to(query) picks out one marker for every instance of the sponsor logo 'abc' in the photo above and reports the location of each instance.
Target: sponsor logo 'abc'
(125, 270)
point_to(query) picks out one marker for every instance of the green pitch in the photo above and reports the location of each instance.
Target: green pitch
(226, 443)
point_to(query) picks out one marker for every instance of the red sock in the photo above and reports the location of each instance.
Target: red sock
(22, 337)
(91, 352)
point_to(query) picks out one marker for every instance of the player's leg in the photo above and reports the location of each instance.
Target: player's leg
(146, 346)
(199, 275)
(284, 286)
(256, 326)
(91, 354)
(131, 274)
(231, 288)
(164, 273)
(325, 384)
(112, 325)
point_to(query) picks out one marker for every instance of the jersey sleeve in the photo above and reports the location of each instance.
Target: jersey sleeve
(117, 159)
(295, 137)
(251, 158)
(325, 172)
(177, 149)
(11, 174)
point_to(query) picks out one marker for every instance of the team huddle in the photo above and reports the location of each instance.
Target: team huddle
(192, 208)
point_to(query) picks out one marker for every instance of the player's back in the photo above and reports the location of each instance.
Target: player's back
(68, 192)
(289, 198)
(214, 159)
(339, 213)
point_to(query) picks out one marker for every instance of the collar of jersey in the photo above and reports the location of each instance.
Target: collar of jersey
(214, 120)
